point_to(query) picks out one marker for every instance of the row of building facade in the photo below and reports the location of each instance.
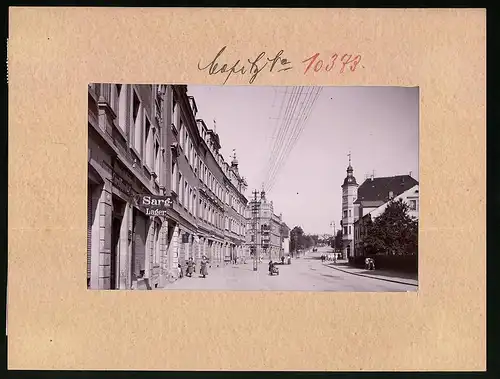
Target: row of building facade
(368, 201)
(268, 236)
(147, 140)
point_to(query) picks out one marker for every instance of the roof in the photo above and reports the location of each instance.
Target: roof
(377, 189)
(370, 204)
(349, 180)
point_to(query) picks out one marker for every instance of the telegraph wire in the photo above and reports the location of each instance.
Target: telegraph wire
(295, 137)
(275, 130)
(282, 143)
(292, 104)
(283, 153)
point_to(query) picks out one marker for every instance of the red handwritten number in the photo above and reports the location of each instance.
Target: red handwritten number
(312, 59)
(356, 61)
(332, 63)
(320, 63)
(346, 60)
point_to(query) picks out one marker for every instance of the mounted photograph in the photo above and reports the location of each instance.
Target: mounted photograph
(252, 188)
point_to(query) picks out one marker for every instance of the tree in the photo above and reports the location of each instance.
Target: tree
(338, 240)
(301, 240)
(296, 235)
(394, 232)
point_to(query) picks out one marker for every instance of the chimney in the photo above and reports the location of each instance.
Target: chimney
(391, 195)
(410, 173)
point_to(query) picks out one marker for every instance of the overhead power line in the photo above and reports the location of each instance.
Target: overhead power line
(300, 124)
(282, 131)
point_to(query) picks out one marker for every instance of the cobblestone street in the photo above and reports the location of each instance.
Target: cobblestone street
(304, 274)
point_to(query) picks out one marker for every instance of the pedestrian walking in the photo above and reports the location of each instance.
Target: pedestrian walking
(179, 270)
(282, 259)
(203, 269)
(190, 268)
(323, 258)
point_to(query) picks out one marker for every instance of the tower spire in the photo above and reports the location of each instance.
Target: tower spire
(349, 155)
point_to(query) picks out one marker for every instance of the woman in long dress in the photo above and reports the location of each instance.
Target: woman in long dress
(204, 270)
(190, 267)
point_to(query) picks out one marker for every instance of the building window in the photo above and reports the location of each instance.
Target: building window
(179, 189)
(345, 230)
(349, 229)
(191, 154)
(175, 114)
(413, 205)
(174, 176)
(186, 195)
(181, 134)
(349, 213)
(157, 158)
(137, 125)
(156, 244)
(122, 106)
(345, 214)
(148, 144)
(190, 201)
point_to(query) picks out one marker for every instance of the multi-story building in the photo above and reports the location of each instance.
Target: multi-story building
(146, 140)
(374, 196)
(235, 210)
(184, 177)
(222, 199)
(349, 215)
(264, 229)
(285, 235)
(126, 141)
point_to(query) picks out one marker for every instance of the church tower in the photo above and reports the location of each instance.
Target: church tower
(349, 195)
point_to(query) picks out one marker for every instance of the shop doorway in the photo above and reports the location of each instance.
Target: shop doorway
(91, 206)
(139, 245)
(115, 251)
(93, 195)
(116, 224)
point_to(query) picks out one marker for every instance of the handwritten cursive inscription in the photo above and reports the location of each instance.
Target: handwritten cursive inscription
(254, 67)
(317, 65)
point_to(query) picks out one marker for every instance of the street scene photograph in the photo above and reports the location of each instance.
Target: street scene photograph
(252, 188)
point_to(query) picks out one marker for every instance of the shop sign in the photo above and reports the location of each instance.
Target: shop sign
(121, 184)
(153, 205)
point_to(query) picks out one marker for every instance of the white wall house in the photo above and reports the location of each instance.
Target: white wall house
(410, 197)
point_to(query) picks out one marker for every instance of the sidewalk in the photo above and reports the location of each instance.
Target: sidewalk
(389, 276)
(219, 278)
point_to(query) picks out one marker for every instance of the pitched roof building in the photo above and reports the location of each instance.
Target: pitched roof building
(377, 191)
(373, 197)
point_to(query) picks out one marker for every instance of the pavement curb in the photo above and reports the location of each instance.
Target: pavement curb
(374, 277)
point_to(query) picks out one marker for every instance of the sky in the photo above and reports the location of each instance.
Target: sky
(377, 125)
